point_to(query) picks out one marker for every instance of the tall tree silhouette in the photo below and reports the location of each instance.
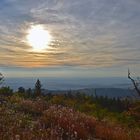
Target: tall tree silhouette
(21, 90)
(38, 88)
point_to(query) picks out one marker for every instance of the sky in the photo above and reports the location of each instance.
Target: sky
(91, 38)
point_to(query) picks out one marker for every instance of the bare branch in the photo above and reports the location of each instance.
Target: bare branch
(1, 78)
(134, 83)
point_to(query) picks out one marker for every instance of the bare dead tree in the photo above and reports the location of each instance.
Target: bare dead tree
(134, 83)
(1, 78)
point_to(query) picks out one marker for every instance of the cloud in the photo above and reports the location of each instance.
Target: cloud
(86, 33)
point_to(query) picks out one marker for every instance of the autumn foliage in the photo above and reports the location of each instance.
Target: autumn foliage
(43, 119)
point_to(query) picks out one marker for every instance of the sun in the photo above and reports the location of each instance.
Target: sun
(39, 38)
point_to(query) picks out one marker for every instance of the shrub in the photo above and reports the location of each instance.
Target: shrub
(6, 91)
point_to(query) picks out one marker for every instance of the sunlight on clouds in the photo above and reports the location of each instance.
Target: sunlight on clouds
(69, 33)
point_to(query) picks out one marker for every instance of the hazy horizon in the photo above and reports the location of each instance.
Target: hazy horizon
(55, 83)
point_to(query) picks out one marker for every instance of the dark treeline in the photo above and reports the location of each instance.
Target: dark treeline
(112, 104)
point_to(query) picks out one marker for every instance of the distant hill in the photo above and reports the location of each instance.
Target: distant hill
(68, 83)
(110, 92)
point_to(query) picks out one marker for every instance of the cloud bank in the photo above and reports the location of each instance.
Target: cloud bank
(87, 33)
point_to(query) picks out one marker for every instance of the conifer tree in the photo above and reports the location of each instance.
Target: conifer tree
(38, 88)
(29, 92)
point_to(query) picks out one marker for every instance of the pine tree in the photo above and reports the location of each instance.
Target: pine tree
(29, 92)
(38, 88)
(21, 90)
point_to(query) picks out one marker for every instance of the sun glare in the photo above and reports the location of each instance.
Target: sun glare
(39, 38)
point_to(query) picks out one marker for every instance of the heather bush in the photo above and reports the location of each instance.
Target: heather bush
(38, 119)
(33, 107)
(68, 123)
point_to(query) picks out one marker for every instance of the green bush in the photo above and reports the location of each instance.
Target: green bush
(6, 91)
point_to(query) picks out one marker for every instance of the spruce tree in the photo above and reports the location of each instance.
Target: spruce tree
(38, 88)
